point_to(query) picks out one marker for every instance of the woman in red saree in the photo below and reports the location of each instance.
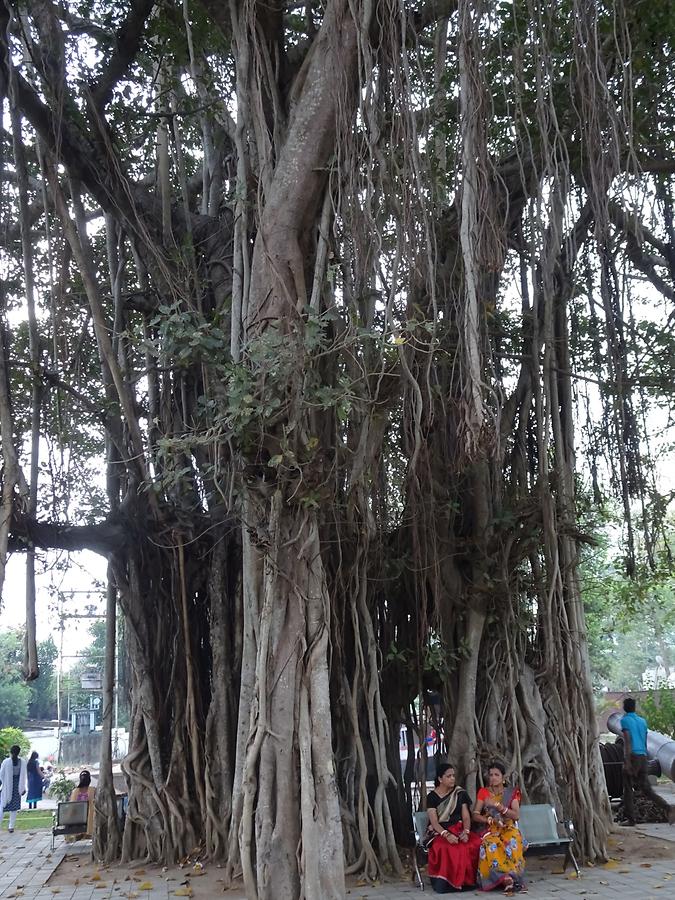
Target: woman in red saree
(453, 855)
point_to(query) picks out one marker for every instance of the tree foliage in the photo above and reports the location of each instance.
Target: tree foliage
(18, 700)
(339, 292)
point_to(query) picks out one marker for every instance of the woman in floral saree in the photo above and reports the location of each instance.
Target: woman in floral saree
(501, 863)
(453, 855)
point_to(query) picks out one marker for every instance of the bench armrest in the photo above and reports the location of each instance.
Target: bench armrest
(568, 825)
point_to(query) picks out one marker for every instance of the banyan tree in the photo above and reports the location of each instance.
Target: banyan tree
(319, 322)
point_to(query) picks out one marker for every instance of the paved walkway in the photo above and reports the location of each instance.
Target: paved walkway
(20, 876)
(26, 862)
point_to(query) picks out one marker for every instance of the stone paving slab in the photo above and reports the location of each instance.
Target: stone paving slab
(26, 864)
(657, 830)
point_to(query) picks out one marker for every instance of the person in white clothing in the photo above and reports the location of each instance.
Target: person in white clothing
(13, 778)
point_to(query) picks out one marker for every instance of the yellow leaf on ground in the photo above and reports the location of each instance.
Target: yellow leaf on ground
(183, 892)
(145, 886)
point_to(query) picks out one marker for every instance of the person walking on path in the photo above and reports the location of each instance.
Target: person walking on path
(13, 777)
(35, 780)
(634, 731)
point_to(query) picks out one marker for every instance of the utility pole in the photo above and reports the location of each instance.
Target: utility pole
(59, 673)
(59, 678)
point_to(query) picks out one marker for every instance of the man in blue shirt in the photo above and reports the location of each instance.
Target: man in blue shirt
(634, 731)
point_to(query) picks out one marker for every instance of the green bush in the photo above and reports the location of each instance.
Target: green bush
(61, 787)
(11, 736)
(658, 708)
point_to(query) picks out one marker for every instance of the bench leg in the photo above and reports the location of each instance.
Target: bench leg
(569, 857)
(418, 875)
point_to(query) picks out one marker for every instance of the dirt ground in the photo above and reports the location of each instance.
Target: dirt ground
(629, 844)
(626, 848)
(186, 880)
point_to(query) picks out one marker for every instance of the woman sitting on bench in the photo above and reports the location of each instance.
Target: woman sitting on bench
(453, 856)
(84, 791)
(501, 861)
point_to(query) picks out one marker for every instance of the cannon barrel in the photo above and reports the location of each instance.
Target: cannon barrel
(659, 746)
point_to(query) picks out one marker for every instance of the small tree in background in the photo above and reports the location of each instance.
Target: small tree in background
(11, 736)
(14, 692)
(658, 708)
(42, 703)
(61, 788)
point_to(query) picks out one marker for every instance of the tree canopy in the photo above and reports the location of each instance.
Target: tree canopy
(325, 324)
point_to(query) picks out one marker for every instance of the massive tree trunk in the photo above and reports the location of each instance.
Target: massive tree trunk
(290, 828)
(290, 834)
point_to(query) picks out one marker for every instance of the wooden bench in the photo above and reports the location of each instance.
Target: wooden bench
(71, 817)
(539, 825)
(545, 835)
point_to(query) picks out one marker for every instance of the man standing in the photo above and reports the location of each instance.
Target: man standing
(634, 731)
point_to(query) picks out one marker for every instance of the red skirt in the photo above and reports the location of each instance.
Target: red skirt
(453, 866)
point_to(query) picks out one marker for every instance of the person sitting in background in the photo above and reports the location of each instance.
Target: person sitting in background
(84, 791)
(453, 855)
(634, 732)
(35, 781)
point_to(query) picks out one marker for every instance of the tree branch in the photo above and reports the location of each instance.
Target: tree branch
(636, 233)
(104, 538)
(127, 43)
(431, 12)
